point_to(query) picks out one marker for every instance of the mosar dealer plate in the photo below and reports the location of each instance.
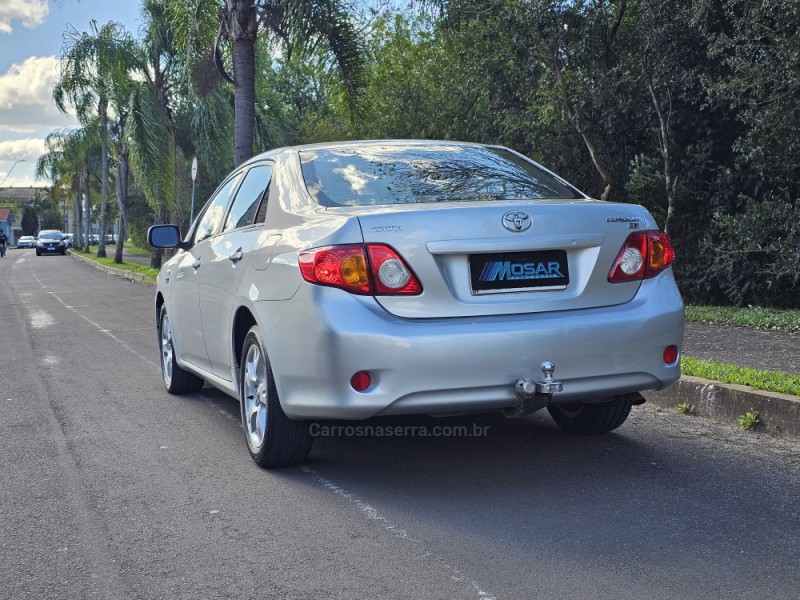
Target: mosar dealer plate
(518, 271)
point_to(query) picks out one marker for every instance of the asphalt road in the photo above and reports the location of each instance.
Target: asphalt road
(111, 488)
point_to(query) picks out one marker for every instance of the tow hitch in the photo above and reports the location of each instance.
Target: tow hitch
(535, 395)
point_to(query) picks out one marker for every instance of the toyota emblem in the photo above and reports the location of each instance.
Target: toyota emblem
(516, 220)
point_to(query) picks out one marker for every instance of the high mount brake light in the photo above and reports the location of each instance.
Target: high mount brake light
(367, 269)
(643, 255)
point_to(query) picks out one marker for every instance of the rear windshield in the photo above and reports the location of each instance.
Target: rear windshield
(433, 173)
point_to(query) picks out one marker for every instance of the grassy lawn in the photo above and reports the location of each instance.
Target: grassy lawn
(124, 266)
(768, 319)
(758, 379)
(765, 319)
(136, 250)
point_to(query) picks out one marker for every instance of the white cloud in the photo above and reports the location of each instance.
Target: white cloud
(18, 162)
(26, 91)
(29, 149)
(31, 13)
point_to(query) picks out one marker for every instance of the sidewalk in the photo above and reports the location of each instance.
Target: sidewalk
(771, 351)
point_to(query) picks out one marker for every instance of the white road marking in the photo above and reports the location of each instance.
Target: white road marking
(373, 515)
(101, 329)
(41, 320)
(51, 361)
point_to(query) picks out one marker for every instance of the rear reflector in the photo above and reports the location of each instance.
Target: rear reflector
(360, 381)
(670, 355)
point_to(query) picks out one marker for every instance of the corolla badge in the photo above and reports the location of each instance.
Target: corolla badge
(516, 220)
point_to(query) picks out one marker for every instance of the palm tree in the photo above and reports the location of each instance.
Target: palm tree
(91, 63)
(295, 25)
(69, 162)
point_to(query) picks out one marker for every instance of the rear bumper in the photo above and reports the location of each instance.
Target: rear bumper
(317, 340)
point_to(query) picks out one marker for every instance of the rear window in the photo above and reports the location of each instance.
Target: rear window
(394, 174)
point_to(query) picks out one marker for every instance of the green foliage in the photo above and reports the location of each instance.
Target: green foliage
(756, 317)
(758, 379)
(684, 408)
(689, 108)
(749, 420)
(29, 222)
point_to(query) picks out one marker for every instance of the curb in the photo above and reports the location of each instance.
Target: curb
(122, 274)
(779, 414)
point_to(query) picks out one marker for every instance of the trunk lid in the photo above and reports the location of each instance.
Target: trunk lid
(475, 259)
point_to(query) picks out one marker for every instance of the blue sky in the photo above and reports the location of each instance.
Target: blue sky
(31, 37)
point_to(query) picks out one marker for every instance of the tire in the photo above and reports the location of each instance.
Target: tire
(176, 379)
(273, 439)
(38, 253)
(592, 418)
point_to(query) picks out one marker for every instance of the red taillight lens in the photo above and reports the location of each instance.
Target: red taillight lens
(644, 254)
(359, 269)
(338, 266)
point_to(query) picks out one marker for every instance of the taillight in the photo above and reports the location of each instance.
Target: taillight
(371, 269)
(644, 255)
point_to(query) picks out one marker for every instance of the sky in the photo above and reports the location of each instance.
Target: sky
(31, 38)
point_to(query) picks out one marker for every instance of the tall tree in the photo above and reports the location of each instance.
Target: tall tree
(70, 160)
(295, 25)
(90, 64)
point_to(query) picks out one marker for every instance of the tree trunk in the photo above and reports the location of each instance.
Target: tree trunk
(555, 68)
(86, 207)
(76, 214)
(102, 108)
(665, 138)
(158, 253)
(122, 202)
(240, 19)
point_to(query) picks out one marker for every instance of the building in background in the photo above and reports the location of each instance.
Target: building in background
(7, 221)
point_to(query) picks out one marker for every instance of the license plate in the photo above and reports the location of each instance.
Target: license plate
(517, 271)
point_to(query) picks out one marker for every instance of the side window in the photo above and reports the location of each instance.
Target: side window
(214, 211)
(247, 199)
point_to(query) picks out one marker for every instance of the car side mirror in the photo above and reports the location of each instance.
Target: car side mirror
(164, 236)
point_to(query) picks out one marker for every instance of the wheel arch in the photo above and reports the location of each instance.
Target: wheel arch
(159, 304)
(243, 320)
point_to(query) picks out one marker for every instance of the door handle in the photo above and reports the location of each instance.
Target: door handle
(196, 264)
(236, 256)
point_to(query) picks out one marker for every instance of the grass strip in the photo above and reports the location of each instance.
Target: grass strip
(759, 379)
(767, 319)
(136, 250)
(124, 265)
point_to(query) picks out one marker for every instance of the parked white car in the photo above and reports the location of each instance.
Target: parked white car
(349, 280)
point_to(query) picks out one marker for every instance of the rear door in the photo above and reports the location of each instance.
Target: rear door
(226, 260)
(185, 315)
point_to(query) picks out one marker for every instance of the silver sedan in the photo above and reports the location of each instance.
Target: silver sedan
(350, 280)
